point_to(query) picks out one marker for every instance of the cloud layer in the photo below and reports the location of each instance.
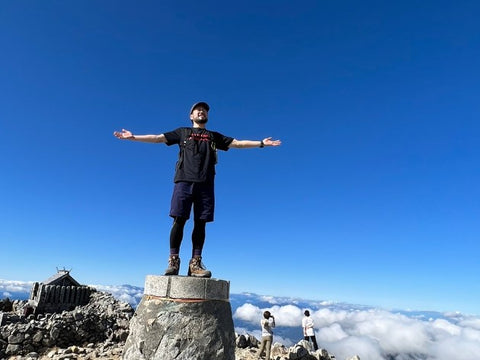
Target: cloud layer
(375, 334)
(343, 329)
(15, 289)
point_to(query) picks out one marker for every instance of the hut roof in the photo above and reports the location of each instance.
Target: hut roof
(63, 278)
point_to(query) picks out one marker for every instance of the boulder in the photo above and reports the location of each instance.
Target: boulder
(297, 352)
(241, 342)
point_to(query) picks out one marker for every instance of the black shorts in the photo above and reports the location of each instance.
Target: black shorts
(200, 195)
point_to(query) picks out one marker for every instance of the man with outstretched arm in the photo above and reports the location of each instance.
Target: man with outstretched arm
(194, 180)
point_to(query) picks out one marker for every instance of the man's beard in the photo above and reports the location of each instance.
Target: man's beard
(201, 121)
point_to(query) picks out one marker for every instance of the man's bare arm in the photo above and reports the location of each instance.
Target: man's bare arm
(127, 135)
(248, 144)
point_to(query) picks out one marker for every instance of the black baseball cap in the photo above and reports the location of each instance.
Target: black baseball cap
(201, 103)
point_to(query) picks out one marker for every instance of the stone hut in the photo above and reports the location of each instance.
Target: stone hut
(58, 293)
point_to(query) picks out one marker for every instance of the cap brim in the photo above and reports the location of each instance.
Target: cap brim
(201, 103)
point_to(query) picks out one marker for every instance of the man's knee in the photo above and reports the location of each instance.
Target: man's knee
(178, 220)
(199, 223)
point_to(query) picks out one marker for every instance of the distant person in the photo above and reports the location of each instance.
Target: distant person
(308, 332)
(194, 180)
(267, 324)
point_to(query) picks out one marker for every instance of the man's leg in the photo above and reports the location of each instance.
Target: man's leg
(181, 205)
(314, 340)
(176, 236)
(195, 267)
(203, 208)
(198, 237)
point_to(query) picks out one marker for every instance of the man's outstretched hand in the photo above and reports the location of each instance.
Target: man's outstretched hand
(124, 134)
(269, 142)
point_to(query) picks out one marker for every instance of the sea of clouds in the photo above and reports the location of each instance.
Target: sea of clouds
(372, 333)
(343, 329)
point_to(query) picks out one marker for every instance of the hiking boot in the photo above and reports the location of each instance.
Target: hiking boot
(173, 265)
(197, 269)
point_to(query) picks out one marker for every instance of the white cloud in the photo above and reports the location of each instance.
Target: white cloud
(365, 347)
(457, 348)
(374, 333)
(470, 322)
(287, 315)
(248, 312)
(325, 317)
(9, 286)
(395, 332)
(125, 293)
(332, 333)
(269, 299)
(443, 325)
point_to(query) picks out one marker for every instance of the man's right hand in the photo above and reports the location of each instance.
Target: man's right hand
(123, 135)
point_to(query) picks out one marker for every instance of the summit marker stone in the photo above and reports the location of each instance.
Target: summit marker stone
(182, 318)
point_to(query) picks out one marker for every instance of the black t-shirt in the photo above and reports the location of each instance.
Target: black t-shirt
(197, 158)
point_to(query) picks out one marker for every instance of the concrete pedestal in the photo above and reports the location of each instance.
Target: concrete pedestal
(182, 318)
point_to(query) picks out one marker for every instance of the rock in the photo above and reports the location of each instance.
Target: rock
(241, 342)
(253, 341)
(182, 318)
(13, 349)
(297, 352)
(67, 330)
(6, 305)
(52, 353)
(163, 329)
(55, 332)
(38, 337)
(32, 356)
(279, 351)
(306, 344)
(16, 338)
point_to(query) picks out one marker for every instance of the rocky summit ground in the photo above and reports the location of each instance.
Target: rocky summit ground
(90, 352)
(114, 351)
(99, 330)
(107, 353)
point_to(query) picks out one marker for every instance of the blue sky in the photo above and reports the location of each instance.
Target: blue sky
(372, 198)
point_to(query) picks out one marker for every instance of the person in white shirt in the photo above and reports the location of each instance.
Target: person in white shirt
(308, 333)
(267, 324)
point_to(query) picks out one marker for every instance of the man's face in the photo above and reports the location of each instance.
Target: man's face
(199, 115)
